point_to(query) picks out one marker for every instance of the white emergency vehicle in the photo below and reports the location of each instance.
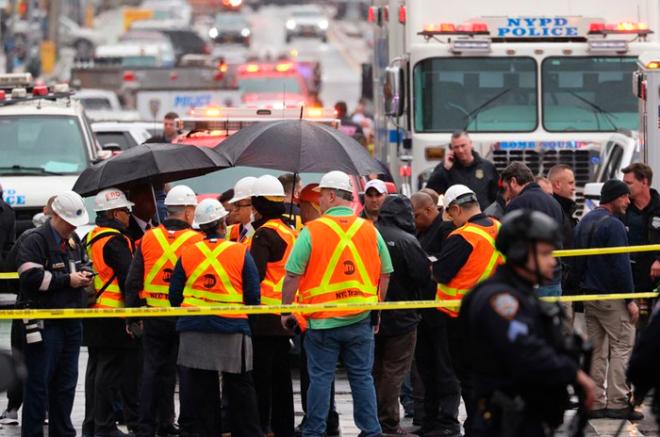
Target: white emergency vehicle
(45, 143)
(538, 83)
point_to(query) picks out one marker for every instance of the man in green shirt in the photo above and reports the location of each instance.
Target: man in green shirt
(351, 244)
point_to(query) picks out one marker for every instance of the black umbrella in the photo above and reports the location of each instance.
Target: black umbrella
(297, 146)
(149, 163)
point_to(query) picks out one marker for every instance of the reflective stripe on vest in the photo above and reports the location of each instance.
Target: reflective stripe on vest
(156, 294)
(363, 289)
(111, 297)
(271, 286)
(479, 266)
(201, 259)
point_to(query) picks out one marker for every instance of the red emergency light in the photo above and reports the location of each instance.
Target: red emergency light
(40, 90)
(600, 27)
(653, 65)
(3, 95)
(129, 76)
(402, 14)
(473, 28)
(371, 16)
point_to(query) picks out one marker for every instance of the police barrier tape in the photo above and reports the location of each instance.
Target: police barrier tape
(558, 253)
(95, 313)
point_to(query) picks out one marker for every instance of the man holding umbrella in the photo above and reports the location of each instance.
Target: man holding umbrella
(338, 258)
(148, 282)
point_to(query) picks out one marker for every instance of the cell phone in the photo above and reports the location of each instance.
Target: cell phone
(92, 274)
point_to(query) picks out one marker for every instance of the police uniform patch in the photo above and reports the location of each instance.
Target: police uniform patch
(505, 305)
(479, 174)
(655, 223)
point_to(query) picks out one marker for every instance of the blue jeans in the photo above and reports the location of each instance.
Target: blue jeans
(52, 367)
(549, 290)
(355, 345)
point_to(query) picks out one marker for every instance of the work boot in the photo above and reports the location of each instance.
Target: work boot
(624, 413)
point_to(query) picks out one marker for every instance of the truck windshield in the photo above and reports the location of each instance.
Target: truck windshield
(475, 94)
(269, 85)
(589, 94)
(41, 144)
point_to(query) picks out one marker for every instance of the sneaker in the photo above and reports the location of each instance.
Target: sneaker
(9, 417)
(624, 413)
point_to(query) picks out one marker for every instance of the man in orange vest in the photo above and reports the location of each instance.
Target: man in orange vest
(270, 247)
(216, 272)
(338, 258)
(110, 250)
(148, 284)
(467, 257)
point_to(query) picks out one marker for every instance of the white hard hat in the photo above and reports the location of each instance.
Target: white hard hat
(337, 180)
(267, 185)
(208, 211)
(459, 193)
(110, 199)
(243, 189)
(181, 195)
(70, 207)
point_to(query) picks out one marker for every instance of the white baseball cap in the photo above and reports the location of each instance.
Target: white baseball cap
(377, 185)
(458, 193)
(71, 208)
(337, 180)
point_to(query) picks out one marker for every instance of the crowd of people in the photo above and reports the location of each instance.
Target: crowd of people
(472, 236)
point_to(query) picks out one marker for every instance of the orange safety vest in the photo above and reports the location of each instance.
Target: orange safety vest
(480, 264)
(214, 269)
(161, 249)
(271, 286)
(344, 265)
(233, 233)
(97, 238)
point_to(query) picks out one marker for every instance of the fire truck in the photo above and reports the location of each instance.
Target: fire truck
(542, 84)
(275, 85)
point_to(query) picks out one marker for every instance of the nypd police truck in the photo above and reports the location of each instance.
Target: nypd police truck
(538, 83)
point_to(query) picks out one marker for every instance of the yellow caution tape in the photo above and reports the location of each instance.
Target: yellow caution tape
(10, 275)
(606, 250)
(93, 313)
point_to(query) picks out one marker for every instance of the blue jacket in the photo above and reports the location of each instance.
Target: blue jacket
(603, 273)
(251, 296)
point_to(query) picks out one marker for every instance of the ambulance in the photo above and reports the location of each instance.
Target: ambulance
(537, 82)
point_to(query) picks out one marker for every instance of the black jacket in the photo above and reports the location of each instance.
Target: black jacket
(44, 261)
(644, 228)
(481, 176)
(111, 332)
(411, 266)
(643, 367)
(569, 283)
(7, 228)
(514, 345)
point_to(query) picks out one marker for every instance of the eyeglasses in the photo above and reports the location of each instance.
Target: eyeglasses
(125, 210)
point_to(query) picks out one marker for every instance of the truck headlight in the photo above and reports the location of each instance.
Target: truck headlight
(213, 33)
(291, 24)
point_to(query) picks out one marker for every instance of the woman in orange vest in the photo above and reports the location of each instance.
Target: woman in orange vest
(270, 247)
(216, 272)
(110, 250)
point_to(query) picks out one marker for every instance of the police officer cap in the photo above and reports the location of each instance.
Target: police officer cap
(522, 227)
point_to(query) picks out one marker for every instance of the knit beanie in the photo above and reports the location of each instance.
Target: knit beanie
(613, 189)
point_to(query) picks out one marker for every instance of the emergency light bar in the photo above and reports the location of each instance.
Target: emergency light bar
(626, 27)
(232, 119)
(15, 80)
(281, 67)
(451, 29)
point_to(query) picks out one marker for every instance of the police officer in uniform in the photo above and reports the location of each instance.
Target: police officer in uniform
(148, 283)
(51, 275)
(520, 362)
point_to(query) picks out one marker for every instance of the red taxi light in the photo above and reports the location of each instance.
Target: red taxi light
(41, 90)
(402, 14)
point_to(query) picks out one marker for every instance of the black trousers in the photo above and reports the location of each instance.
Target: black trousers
(440, 365)
(131, 376)
(160, 343)
(15, 392)
(200, 393)
(102, 382)
(272, 379)
(333, 415)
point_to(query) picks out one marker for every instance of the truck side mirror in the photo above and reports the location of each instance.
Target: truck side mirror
(394, 91)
